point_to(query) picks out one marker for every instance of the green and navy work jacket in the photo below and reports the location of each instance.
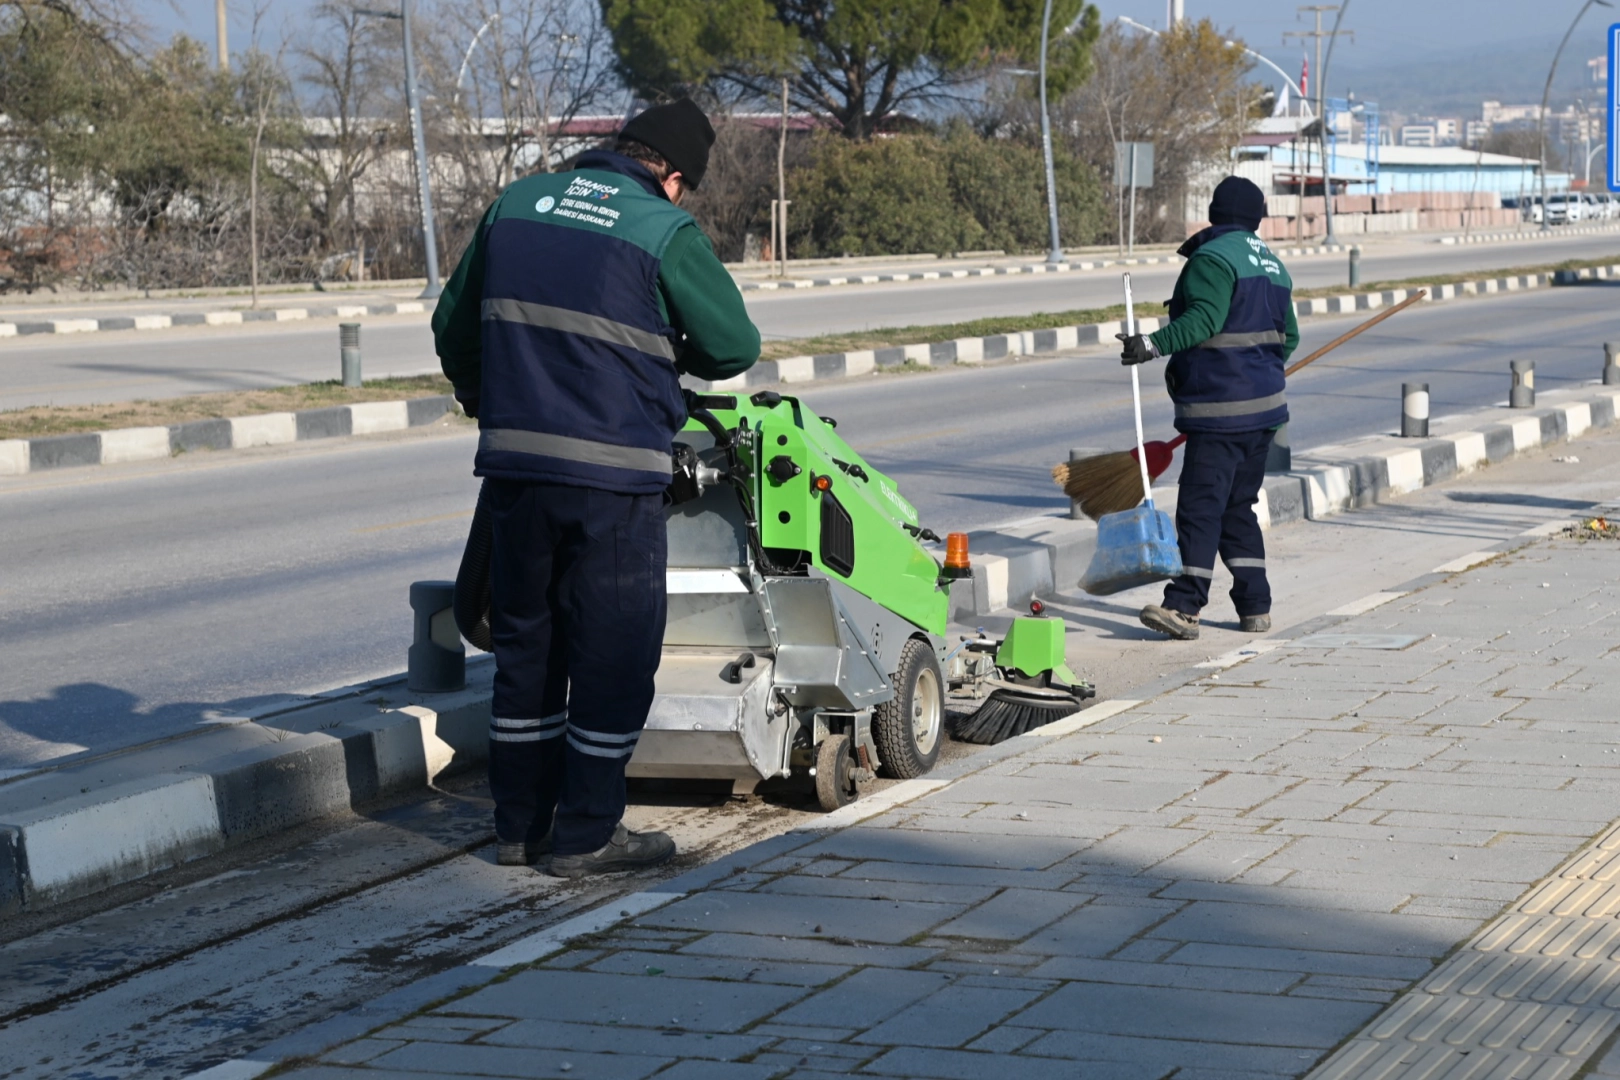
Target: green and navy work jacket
(1231, 328)
(579, 303)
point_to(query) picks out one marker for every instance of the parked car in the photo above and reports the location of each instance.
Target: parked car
(1564, 208)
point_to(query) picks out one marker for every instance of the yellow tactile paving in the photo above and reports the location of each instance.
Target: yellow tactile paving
(1530, 998)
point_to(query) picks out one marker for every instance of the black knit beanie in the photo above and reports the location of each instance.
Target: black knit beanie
(1237, 202)
(680, 132)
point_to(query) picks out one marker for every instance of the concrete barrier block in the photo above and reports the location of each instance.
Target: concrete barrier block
(222, 318)
(268, 429)
(1327, 491)
(8, 329)
(941, 353)
(918, 354)
(1403, 472)
(63, 451)
(200, 435)
(153, 322)
(1284, 500)
(273, 787)
(12, 871)
(889, 357)
(420, 412)
(116, 322)
(370, 417)
(350, 311)
(796, 369)
(860, 362)
(1469, 449)
(760, 374)
(75, 326)
(325, 423)
(76, 846)
(409, 307)
(134, 444)
(13, 457)
(1577, 419)
(290, 314)
(969, 350)
(830, 366)
(1067, 337)
(1526, 434)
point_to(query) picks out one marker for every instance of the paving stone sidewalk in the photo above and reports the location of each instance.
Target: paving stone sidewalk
(1325, 859)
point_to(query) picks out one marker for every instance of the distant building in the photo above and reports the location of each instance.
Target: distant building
(1419, 135)
(1599, 67)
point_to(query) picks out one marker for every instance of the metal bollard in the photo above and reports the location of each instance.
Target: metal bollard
(1355, 267)
(349, 350)
(1280, 458)
(437, 661)
(1611, 363)
(1075, 454)
(1523, 393)
(1415, 410)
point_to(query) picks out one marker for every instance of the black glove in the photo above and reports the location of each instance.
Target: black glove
(469, 405)
(1138, 349)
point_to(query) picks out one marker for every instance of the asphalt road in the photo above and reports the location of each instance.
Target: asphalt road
(125, 366)
(140, 600)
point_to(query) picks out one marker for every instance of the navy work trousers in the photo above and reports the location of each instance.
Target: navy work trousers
(1221, 476)
(577, 607)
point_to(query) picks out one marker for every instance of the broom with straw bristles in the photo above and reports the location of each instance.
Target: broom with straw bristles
(1111, 483)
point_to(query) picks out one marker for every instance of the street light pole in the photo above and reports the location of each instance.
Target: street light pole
(1055, 254)
(1546, 93)
(424, 189)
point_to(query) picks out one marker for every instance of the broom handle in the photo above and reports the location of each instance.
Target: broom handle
(1368, 325)
(1136, 397)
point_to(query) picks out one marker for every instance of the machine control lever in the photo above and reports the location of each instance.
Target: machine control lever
(852, 470)
(732, 672)
(928, 536)
(767, 399)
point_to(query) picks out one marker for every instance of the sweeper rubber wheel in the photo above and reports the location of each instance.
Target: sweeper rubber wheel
(835, 773)
(908, 728)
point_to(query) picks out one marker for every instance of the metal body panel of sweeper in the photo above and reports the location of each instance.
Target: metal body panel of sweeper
(703, 726)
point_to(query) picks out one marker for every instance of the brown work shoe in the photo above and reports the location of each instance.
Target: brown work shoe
(626, 851)
(1177, 624)
(1255, 624)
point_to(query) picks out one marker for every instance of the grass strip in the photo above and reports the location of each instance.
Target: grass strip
(40, 420)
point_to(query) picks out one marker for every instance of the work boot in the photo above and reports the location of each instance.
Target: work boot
(626, 851)
(1178, 624)
(523, 853)
(1255, 624)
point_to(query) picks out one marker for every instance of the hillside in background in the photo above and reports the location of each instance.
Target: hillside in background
(1453, 82)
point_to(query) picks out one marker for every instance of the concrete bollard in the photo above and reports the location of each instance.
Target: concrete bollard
(1522, 395)
(349, 351)
(1611, 363)
(1280, 459)
(437, 661)
(1076, 453)
(1415, 410)
(1355, 267)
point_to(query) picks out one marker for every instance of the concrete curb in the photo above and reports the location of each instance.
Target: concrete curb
(994, 271)
(88, 325)
(799, 369)
(19, 456)
(1532, 234)
(1047, 555)
(76, 829)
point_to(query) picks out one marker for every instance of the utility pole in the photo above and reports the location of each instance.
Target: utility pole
(1318, 35)
(219, 36)
(1175, 14)
(1054, 252)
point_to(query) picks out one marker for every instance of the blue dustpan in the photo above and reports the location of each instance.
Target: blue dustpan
(1134, 547)
(1138, 546)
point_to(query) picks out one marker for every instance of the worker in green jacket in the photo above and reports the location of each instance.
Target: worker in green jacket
(1231, 329)
(581, 300)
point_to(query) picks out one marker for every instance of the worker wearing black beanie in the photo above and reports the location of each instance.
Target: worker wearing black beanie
(582, 299)
(1231, 329)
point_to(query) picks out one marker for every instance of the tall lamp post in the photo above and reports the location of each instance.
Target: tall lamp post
(413, 105)
(1055, 253)
(1541, 117)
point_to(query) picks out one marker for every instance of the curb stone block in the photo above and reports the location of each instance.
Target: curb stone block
(276, 786)
(12, 871)
(828, 366)
(323, 423)
(222, 318)
(189, 318)
(134, 444)
(63, 451)
(35, 327)
(1440, 461)
(15, 457)
(117, 322)
(124, 831)
(370, 417)
(419, 412)
(267, 429)
(200, 435)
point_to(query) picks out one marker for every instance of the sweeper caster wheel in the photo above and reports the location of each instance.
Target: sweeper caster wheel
(835, 773)
(907, 729)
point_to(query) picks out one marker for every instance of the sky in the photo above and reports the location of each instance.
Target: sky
(1387, 32)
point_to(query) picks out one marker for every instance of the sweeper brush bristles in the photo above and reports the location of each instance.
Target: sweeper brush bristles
(1103, 484)
(1009, 712)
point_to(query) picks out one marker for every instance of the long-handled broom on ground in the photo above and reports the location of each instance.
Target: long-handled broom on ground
(1109, 483)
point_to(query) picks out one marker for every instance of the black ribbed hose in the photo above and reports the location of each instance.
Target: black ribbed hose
(472, 580)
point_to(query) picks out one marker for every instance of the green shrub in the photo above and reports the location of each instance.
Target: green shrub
(927, 193)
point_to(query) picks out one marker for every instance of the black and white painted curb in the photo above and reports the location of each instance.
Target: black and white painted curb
(801, 369)
(75, 829)
(235, 317)
(791, 284)
(19, 456)
(1529, 232)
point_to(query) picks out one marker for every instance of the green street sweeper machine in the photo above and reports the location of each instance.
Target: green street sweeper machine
(806, 634)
